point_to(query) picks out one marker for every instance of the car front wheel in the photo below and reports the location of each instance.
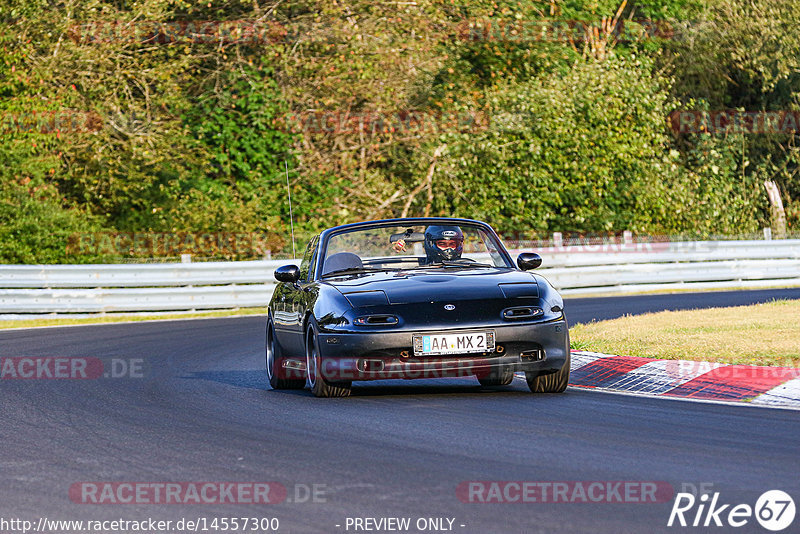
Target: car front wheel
(321, 387)
(498, 376)
(550, 383)
(275, 371)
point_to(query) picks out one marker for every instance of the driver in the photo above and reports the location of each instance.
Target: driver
(443, 243)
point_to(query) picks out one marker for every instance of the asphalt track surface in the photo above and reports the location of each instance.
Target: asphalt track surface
(201, 412)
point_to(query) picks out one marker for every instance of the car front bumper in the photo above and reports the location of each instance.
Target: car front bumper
(541, 347)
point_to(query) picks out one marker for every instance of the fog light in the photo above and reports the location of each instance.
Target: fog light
(535, 355)
(369, 366)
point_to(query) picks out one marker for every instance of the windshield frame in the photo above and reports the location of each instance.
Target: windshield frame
(326, 235)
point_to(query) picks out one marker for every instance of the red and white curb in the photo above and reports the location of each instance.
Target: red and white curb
(772, 386)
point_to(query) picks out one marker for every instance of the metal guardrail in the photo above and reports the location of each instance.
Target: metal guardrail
(690, 265)
(128, 288)
(580, 269)
(138, 275)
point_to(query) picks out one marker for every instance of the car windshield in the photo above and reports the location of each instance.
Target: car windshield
(397, 247)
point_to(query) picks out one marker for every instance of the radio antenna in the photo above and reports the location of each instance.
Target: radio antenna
(291, 216)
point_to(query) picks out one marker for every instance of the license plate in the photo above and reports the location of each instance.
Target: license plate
(460, 343)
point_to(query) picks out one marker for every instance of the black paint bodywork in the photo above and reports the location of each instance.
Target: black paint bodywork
(481, 298)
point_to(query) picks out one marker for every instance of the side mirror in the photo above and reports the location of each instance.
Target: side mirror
(529, 260)
(287, 273)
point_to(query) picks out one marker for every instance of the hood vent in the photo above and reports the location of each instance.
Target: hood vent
(522, 289)
(360, 299)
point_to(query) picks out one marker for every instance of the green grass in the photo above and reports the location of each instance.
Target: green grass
(124, 318)
(762, 334)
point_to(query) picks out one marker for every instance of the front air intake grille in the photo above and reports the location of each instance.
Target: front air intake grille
(376, 320)
(522, 312)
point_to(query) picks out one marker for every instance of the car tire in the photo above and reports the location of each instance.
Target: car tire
(320, 387)
(498, 376)
(549, 383)
(275, 372)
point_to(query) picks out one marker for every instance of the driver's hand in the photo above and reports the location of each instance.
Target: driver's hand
(399, 246)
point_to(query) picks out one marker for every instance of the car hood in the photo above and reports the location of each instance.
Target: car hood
(427, 286)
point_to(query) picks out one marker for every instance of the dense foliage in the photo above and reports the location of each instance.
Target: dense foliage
(535, 115)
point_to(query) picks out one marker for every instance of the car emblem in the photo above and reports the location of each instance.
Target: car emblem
(449, 307)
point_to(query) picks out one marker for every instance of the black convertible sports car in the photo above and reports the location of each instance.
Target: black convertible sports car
(414, 298)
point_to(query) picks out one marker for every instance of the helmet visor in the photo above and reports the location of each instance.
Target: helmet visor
(445, 244)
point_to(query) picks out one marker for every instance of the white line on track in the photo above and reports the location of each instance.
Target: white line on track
(685, 399)
(13, 329)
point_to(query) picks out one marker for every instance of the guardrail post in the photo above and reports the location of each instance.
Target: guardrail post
(627, 238)
(776, 205)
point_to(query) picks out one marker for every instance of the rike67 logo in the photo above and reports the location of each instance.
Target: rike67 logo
(774, 510)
